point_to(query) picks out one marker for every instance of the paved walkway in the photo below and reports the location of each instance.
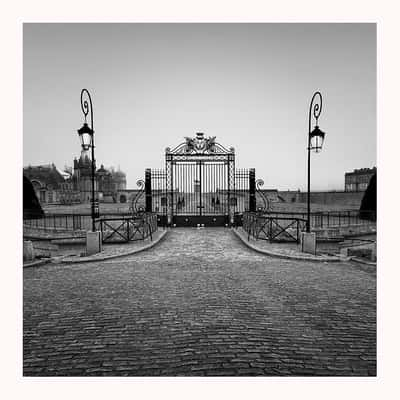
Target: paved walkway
(289, 250)
(199, 303)
(117, 250)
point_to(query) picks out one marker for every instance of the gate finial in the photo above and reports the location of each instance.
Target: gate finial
(266, 204)
(134, 205)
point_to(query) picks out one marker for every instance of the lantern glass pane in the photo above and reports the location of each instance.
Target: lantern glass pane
(321, 141)
(86, 140)
(316, 143)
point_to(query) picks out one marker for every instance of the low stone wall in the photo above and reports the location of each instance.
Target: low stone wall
(366, 251)
(45, 249)
(334, 198)
(56, 233)
(342, 231)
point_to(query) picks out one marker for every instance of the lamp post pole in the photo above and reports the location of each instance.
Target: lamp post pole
(316, 101)
(86, 107)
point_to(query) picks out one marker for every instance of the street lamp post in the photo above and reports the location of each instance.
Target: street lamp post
(315, 141)
(86, 135)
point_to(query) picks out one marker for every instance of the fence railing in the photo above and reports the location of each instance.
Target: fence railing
(74, 222)
(326, 219)
(127, 228)
(67, 222)
(273, 228)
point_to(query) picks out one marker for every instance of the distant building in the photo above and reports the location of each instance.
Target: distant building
(110, 183)
(358, 180)
(74, 185)
(46, 181)
(119, 178)
(82, 177)
(69, 193)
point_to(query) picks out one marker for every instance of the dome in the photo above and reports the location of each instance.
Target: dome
(102, 169)
(120, 174)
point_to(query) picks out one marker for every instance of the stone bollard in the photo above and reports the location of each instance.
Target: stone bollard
(308, 242)
(373, 256)
(29, 251)
(93, 243)
(344, 252)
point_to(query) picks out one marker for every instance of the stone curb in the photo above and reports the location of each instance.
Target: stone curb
(51, 239)
(286, 256)
(360, 261)
(37, 263)
(128, 253)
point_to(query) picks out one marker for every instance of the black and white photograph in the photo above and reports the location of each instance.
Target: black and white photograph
(199, 199)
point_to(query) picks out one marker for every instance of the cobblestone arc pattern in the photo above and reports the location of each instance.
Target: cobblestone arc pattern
(199, 303)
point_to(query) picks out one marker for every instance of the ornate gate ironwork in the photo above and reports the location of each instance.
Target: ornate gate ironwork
(200, 182)
(200, 185)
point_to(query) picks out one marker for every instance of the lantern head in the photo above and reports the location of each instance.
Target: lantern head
(86, 135)
(316, 139)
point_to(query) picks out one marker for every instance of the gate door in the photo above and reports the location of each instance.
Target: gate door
(200, 182)
(201, 189)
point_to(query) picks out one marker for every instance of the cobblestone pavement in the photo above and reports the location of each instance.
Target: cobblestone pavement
(199, 303)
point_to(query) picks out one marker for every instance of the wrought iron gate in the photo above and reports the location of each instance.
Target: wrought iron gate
(200, 185)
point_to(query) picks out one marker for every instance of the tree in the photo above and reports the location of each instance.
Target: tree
(368, 203)
(32, 207)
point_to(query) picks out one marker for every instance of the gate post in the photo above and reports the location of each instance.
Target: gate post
(231, 187)
(252, 190)
(168, 185)
(147, 188)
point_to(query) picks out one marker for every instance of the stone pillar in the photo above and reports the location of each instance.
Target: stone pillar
(373, 255)
(29, 252)
(308, 242)
(93, 243)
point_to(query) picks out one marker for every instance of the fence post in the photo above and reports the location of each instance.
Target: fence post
(127, 230)
(270, 230)
(252, 190)
(149, 228)
(147, 189)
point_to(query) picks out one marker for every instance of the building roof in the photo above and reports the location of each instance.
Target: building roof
(119, 174)
(362, 171)
(47, 175)
(64, 174)
(102, 169)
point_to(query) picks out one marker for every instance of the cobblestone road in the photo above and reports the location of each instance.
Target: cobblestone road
(199, 303)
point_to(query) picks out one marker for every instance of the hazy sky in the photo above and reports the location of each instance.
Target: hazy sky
(249, 85)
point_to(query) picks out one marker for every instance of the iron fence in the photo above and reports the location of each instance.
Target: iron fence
(273, 228)
(81, 221)
(67, 222)
(127, 228)
(241, 192)
(329, 219)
